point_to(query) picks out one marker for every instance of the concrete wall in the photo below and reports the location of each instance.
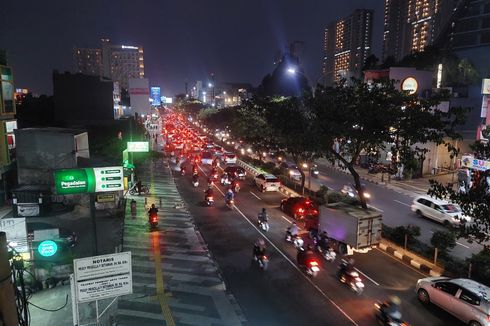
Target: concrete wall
(41, 152)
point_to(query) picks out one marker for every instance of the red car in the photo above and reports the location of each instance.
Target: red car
(299, 207)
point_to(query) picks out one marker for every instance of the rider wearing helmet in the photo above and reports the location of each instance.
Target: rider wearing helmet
(230, 195)
(305, 255)
(293, 230)
(259, 247)
(391, 309)
(263, 216)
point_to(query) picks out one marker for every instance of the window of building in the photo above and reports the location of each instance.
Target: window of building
(485, 22)
(485, 37)
(467, 25)
(465, 39)
(486, 8)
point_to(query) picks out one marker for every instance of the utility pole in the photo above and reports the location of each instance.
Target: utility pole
(8, 309)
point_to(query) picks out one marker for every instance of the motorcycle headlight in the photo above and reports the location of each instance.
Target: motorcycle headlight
(359, 284)
(315, 269)
(367, 195)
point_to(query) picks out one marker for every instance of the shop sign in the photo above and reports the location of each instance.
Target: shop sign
(410, 85)
(88, 180)
(475, 164)
(138, 146)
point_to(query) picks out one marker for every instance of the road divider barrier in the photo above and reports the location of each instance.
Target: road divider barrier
(410, 258)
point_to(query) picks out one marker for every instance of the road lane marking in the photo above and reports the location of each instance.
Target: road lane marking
(462, 245)
(375, 208)
(408, 266)
(399, 202)
(161, 295)
(284, 217)
(367, 277)
(297, 268)
(256, 196)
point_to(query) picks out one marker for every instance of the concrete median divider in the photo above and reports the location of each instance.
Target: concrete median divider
(410, 258)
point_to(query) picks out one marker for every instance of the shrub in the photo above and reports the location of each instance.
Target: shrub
(480, 264)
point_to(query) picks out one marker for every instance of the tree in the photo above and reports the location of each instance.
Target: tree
(474, 203)
(360, 118)
(443, 240)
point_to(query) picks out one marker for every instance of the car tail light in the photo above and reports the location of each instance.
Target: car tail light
(313, 263)
(210, 198)
(301, 210)
(154, 219)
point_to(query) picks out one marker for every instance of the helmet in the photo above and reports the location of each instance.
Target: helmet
(261, 242)
(351, 261)
(263, 210)
(395, 300)
(152, 205)
(230, 190)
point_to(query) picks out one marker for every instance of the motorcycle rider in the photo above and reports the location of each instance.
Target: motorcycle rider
(293, 231)
(323, 241)
(182, 168)
(234, 184)
(215, 162)
(194, 168)
(139, 187)
(225, 178)
(390, 309)
(259, 248)
(262, 217)
(229, 196)
(305, 255)
(208, 193)
(195, 178)
(152, 212)
(347, 267)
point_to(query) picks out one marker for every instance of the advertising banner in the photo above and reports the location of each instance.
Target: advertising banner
(485, 88)
(16, 231)
(88, 180)
(155, 95)
(475, 164)
(138, 146)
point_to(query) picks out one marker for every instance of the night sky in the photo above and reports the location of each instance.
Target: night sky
(184, 40)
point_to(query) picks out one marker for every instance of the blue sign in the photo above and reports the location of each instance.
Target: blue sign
(155, 96)
(47, 248)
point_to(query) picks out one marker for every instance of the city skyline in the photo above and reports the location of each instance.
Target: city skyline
(175, 51)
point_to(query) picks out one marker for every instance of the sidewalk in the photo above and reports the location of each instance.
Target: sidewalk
(175, 279)
(411, 188)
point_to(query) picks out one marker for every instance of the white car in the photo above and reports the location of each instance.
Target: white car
(467, 300)
(439, 210)
(229, 158)
(267, 182)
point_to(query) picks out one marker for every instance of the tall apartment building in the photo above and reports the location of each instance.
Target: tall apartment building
(117, 62)
(347, 44)
(411, 25)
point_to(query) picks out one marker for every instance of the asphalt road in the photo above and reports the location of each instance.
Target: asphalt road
(395, 208)
(284, 294)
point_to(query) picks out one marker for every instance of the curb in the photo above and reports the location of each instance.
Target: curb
(397, 253)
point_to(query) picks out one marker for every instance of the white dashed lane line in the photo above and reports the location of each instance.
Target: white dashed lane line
(399, 202)
(256, 196)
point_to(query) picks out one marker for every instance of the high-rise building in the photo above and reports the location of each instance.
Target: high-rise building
(117, 62)
(412, 25)
(347, 44)
(88, 61)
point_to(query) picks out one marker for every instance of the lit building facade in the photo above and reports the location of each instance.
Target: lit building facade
(117, 62)
(412, 25)
(347, 44)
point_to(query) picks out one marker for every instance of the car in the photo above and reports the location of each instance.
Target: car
(229, 158)
(267, 182)
(299, 207)
(66, 236)
(237, 171)
(206, 158)
(467, 300)
(291, 170)
(439, 210)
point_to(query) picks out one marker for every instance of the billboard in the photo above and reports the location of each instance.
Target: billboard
(16, 231)
(88, 180)
(485, 87)
(138, 146)
(155, 95)
(139, 94)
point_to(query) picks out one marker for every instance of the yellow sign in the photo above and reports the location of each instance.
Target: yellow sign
(485, 87)
(410, 85)
(106, 198)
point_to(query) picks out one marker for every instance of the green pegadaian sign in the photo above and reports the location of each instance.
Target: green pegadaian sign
(47, 248)
(88, 180)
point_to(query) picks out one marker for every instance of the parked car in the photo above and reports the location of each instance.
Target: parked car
(68, 237)
(439, 210)
(467, 300)
(290, 170)
(206, 158)
(229, 158)
(299, 207)
(237, 171)
(267, 182)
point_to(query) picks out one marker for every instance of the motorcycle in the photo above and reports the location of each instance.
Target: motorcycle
(225, 182)
(209, 201)
(314, 171)
(195, 183)
(134, 190)
(352, 279)
(153, 220)
(230, 203)
(262, 261)
(384, 319)
(236, 189)
(312, 268)
(350, 191)
(264, 225)
(329, 254)
(296, 240)
(182, 171)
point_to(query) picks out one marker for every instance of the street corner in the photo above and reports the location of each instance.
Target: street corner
(410, 259)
